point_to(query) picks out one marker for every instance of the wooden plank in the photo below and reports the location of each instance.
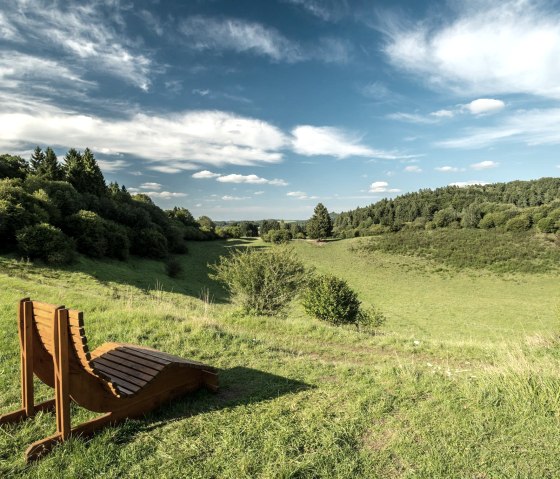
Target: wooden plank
(46, 306)
(142, 353)
(42, 316)
(26, 310)
(120, 378)
(151, 371)
(171, 358)
(62, 386)
(124, 369)
(75, 318)
(136, 359)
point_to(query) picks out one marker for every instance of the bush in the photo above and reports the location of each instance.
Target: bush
(88, 229)
(519, 223)
(547, 225)
(277, 236)
(151, 243)
(331, 299)
(370, 319)
(45, 242)
(173, 268)
(262, 281)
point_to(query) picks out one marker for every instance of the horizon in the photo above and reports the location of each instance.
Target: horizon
(231, 110)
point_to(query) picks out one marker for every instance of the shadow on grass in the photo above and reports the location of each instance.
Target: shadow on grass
(147, 274)
(238, 386)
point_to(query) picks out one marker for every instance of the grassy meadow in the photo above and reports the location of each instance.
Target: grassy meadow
(462, 381)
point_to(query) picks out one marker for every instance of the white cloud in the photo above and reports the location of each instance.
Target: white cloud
(327, 10)
(258, 192)
(234, 198)
(443, 114)
(412, 118)
(242, 36)
(151, 186)
(250, 179)
(205, 33)
(165, 195)
(464, 184)
(90, 35)
(108, 166)
(448, 169)
(484, 106)
(205, 174)
(532, 127)
(484, 165)
(300, 195)
(413, 169)
(382, 187)
(325, 140)
(178, 140)
(488, 47)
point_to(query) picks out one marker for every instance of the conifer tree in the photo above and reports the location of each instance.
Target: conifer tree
(50, 168)
(320, 225)
(37, 159)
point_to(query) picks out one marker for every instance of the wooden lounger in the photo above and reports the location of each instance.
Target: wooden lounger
(121, 380)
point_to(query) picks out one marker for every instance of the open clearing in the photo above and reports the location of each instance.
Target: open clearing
(463, 381)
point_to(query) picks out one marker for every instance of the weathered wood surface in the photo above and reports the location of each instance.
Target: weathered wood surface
(121, 380)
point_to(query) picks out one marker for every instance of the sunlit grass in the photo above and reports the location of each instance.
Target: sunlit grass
(463, 380)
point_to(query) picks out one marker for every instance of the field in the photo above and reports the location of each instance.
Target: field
(463, 380)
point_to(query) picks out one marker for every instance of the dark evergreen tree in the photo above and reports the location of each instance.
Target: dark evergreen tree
(13, 167)
(83, 172)
(320, 225)
(50, 168)
(37, 159)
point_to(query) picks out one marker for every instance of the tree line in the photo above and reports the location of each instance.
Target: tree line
(513, 206)
(51, 209)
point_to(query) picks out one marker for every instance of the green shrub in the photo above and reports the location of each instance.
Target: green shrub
(262, 281)
(151, 243)
(547, 225)
(118, 244)
(88, 229)
(370, 319)
(173, 267)
(519, 223)
(45, 242)
(330, 298)
(277, 236)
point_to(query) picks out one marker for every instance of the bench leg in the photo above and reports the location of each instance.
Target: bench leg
(42, 447)
(21, 414)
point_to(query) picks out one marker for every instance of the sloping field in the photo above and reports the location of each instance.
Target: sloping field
(462, 381)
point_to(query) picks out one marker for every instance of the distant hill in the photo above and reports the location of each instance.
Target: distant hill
(517, 205)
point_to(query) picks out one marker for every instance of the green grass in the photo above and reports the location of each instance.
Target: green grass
(493, 249)
(463, 381)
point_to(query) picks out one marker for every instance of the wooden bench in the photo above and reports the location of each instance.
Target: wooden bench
(120, 380)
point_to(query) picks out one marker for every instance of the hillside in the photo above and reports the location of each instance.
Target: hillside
(462, 381)
(515, 206)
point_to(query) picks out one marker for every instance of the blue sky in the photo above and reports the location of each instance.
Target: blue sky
(255, 109)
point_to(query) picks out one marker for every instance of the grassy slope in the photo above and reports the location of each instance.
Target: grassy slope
(477, 395)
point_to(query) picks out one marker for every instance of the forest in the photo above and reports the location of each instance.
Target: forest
(51, 209)
(513, 206)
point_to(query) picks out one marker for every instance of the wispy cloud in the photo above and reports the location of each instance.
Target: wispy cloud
(382, 187)
(448, 169)
(484, 165)
(89, 36)
(178, 140)
(327, 10)
(413, 169)
(151, 186)
(300, 195)
(531, 127)
(250, 179)
(205, 174)
(206, 33)
(488, 47)
(242, 36)
(234, 198)
(412, 118)
(325, 140)
(112, 166)
(165, 195)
